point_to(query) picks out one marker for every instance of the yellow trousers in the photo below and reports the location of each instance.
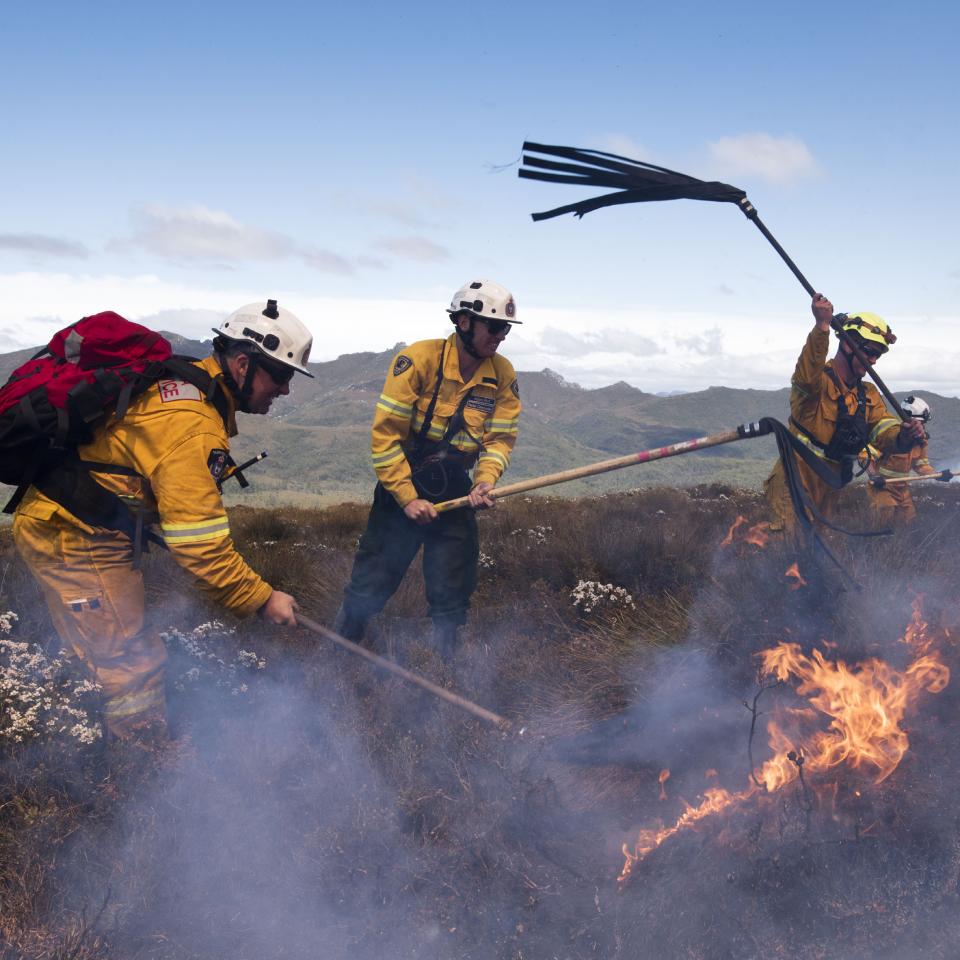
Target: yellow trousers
(96, 603)
(783, 517)
(893, 505)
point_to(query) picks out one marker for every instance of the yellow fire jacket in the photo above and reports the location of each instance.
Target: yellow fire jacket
(177, 441)
(814, 396)
(915, 460)
(814, 406)
(491, 415)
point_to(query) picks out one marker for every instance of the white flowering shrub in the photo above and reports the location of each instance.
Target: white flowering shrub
(590, 595)
(39, 698)
(202, 645)
(534, 536)
(487, 563)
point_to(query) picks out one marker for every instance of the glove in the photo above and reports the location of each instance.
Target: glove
(946, 476)
(878, 482)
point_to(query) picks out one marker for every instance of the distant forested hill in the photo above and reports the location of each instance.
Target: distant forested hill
(318, 437)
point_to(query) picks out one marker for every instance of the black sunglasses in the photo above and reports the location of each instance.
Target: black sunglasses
(279, 373)
(496, 327)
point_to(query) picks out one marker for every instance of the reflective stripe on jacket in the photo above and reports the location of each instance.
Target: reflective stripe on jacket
(915, 460)
(814, 396)
(491, 415)
(176, 440)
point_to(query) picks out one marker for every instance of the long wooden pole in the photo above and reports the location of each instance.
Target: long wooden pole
(407, 675)
(918, 477)
(618, 463)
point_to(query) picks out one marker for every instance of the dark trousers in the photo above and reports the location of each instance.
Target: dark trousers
(389, 544)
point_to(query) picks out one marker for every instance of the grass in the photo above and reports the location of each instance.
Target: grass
(331, 811)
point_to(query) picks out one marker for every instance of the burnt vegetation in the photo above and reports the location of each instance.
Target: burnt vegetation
(310, 806)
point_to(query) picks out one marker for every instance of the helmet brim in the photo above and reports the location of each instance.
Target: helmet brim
(263, 353)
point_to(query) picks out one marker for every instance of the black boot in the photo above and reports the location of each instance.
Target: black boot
(350, 625)
(445, 639)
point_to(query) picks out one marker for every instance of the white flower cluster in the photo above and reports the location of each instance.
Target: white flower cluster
(488, 563)
(588, 595)
(210, 665)
(38, 698)
(536, 536)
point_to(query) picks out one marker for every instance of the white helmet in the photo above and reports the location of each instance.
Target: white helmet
(275, 332)
(917, 408)
(485, 299)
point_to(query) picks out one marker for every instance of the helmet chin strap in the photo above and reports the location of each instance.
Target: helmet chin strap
(241, 393)
(850, 356)
(466, 338)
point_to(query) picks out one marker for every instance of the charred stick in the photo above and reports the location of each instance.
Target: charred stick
(753, 724)
(462, 702)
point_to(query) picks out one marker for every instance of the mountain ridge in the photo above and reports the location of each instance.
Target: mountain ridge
(318, 437)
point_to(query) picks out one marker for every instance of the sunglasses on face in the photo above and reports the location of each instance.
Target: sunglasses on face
(280, 374)
(496, 327)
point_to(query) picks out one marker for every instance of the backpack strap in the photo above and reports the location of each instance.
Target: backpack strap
(212, 388)
(71, 486)
(420, 440)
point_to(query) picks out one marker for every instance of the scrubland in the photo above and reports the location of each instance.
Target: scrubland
(309, 806)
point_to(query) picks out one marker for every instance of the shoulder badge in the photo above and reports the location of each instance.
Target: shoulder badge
(402, 365)
(177, 390)
(515, 387)
(217, 463)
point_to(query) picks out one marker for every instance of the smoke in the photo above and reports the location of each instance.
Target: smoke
(313, 808)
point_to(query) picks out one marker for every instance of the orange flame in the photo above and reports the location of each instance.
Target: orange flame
(664, 776)
(864, 705)
(793, 571)
(731, 533)
(758, 535)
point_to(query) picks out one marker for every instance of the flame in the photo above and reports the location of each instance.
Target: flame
(664, 776)
(793, 572)
(917, 635)
(862, 705)
(731, 533)
(758, 535)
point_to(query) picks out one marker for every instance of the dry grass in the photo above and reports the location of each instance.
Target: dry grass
(335, 812)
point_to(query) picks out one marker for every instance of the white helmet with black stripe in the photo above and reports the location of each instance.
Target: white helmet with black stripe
(275, 332)
(917, 408)
(485, 299)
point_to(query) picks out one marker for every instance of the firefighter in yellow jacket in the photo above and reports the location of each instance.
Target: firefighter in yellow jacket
(834, 413)
(892, 503)
(447, 406)
(165, 461)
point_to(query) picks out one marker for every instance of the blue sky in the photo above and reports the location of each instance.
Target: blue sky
(172, 161)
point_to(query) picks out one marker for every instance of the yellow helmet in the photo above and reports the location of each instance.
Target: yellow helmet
(869, 327)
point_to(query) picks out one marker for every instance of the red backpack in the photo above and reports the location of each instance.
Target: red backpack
(54, 402)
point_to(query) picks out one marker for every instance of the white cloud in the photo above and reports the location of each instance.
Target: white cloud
(778, 159)
(625, 146)
(38, 244)
(326, 261)
(208, 237)
(199, 233)
(650, 349)
(413, 248)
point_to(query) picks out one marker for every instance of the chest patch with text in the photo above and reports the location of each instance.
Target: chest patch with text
(486, 404)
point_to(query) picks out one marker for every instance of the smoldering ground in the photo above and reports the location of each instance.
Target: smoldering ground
(328, 811)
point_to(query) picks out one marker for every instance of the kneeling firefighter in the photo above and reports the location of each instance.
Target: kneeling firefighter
(892, 503)
(835, 415)
(163, 461)
(446, 406)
